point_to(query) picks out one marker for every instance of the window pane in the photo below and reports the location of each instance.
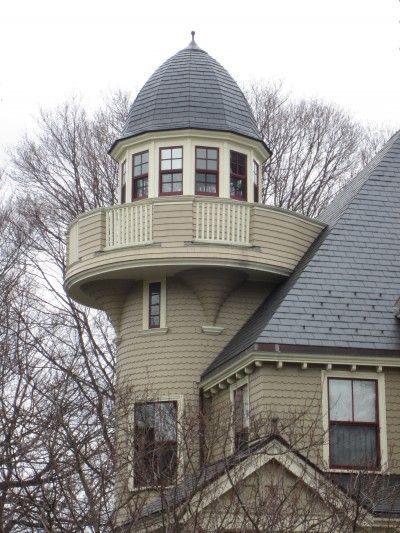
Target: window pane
(212, 153)
(364, 393)
(201, 152)
(166, 165)
(353, 446)
(177, 163)
(166, 153)
(201, 164)
(166, 421)
(340, 400)
(145, 157)
(177, 153)
(211, 164)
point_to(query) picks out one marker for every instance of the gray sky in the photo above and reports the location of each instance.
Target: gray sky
(343, 51)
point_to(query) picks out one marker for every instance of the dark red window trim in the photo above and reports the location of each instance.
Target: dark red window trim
(123, 182)
(154, 309)
(176, 170)
(238, 177)
(152, 452)
(203, 171)
(256, 179)
(375, 424)
(140, 177)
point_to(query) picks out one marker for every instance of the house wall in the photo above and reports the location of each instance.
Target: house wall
(295, 397)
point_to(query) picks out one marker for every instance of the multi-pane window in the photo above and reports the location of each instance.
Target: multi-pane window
(238, 175)
(256, 175)
(206, 170)
(123, 182)
(171, 164)
(140, 175)
(353, 423)
(241, 417)
(155, 443)
(154, 305)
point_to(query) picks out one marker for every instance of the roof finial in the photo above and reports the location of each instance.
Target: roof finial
(193, 45)
(192, 32)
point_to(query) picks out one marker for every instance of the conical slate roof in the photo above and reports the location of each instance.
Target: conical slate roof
(343, 292)
(191, 90)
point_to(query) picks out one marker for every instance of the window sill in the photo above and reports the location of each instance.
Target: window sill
(154, 331)
(212, 330)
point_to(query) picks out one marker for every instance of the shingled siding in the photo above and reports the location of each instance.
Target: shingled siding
(175, 360)
(294, 397)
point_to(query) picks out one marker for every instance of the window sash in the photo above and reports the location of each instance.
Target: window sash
(241, 417)
(238, 175)
(154, 305)
(123, 182)
(206, 177)
(256, 176)
(349, 446)
(155, 460)
(171, 170)
(140, 175)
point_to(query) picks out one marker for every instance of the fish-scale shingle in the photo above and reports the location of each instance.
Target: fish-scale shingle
(191, 90)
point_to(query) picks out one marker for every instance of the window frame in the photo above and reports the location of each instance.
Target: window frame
(163, 306)
(206, 171)
(142, 176)
(175, 442)
(154, 285)
(256, 181)
(382, 447)
(238, 177)
(244, 382)
(162, 172)
(123, 181)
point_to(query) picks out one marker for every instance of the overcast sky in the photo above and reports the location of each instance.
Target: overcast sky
(343, 51)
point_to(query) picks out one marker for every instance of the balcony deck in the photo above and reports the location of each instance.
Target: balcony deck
(168, 235)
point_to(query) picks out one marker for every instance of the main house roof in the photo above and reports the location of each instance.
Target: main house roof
(191, 90)
(343, 293)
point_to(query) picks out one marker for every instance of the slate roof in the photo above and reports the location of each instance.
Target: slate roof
(191, 90)
(343, 293)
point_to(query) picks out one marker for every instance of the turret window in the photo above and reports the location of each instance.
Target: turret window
(155, 439)
(239, 393)
(238, 176)
(206, 171)
(154, 305)
(256, 175)
(123, 182)
(140, 175)
(171, 165)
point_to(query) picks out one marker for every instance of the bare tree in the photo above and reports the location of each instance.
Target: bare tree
(315, 146)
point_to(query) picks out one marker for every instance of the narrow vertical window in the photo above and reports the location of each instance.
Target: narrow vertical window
(171, 165)
(140, 175)
(155, 443)
(206, 171)
(238, 176)
(241, 417)
(256, 175)
(154, 305)
(353, 423)
(123, 182)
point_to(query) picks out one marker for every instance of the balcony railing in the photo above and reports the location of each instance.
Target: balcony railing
(222, 222)
(129, 225)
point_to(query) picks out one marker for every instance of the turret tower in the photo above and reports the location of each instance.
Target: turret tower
(190, 251)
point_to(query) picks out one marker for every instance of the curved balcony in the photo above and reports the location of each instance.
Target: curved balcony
(169, 235)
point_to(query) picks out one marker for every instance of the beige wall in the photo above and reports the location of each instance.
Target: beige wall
(295, 397)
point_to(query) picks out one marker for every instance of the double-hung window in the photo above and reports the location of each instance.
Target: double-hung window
(140, 175)
(171, 170)
(123, 182)
(256, 175)
(154, 305)
(241, 417)
(353, 423)
(238, 175)
(155, 443)
(206, 171)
